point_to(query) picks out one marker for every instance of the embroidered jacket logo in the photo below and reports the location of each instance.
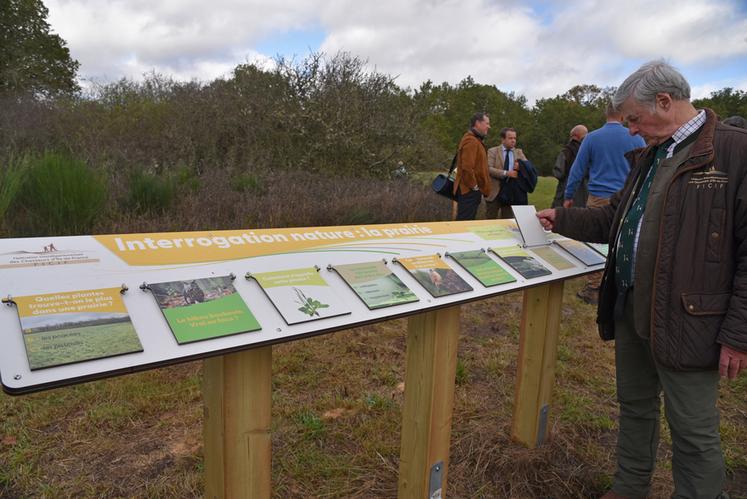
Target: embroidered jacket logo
(710, 179)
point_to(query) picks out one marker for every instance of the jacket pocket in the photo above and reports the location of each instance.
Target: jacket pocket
(706, 303)
(695, 341)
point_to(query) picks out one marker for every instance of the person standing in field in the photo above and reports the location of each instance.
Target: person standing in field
(562, 168)
(471, 182)
(601, 157)
(502, 161)
(674, 291)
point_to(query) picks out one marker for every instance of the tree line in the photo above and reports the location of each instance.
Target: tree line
(320, 114)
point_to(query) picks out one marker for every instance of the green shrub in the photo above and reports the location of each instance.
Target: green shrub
(247, 182)
(11, 177)
(151, 193)
(186, 178)
(58, 195)
(358, 215)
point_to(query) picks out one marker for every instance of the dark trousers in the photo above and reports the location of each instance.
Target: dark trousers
(467, 205)
(494, 207)
(690, 409)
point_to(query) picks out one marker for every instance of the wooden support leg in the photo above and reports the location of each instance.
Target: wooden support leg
(538, 351)
(432, 339)
(237, 391)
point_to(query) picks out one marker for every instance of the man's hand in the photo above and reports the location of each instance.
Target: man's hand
(731, 362)
(547, 219)
(567, 203)
(512, 174)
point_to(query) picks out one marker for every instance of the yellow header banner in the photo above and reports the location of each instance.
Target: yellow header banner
(171, 248)
(107, 300)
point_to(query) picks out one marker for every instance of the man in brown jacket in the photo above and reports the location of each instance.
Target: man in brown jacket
(674, 291)
(500, 171)
(471, 182)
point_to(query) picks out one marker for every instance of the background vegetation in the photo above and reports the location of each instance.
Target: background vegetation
(145, 146)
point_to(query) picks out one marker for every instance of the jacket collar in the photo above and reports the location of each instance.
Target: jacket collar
(703, 145)
(701, 151)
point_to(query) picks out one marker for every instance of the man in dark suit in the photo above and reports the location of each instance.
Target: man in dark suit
(502, 161)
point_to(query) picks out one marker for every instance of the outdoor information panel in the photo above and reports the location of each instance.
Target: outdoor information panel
(88, 307)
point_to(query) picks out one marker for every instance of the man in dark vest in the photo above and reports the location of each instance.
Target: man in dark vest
(563, 166)
(673, 295)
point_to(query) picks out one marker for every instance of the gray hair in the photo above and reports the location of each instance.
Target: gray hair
(650, 79)
(736, 121)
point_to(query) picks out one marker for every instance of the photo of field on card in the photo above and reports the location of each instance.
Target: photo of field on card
(482, 267)
(521, 261)
(200, 309)
(375, 284)
(582, 252)
(553, 258)
(65, 328)
(434, 275)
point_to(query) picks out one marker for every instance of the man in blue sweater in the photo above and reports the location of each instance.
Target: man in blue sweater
(602, 155)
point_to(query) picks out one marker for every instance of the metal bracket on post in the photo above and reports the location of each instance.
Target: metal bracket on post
(542, 430)
(436, 478)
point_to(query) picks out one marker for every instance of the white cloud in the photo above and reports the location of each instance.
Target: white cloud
(705, 90)
(538, 53)
(185, 38)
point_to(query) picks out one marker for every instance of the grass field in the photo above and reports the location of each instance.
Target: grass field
(540, 198)
(544, 192)
(337, 402)
(63, 346)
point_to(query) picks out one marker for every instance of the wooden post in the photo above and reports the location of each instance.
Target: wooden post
(432, 339)
(237, 392)
(538, 351)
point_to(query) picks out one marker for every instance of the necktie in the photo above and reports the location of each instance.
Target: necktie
(507, 163)
(626, 246)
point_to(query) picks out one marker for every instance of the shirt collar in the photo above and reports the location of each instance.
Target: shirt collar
(686, 130)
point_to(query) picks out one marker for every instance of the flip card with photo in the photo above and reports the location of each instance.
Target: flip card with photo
(585, 254)
(521, 261)
(202, 309)
(482, 267)
(503, 230)
(375, 284)
(301, 295)
(553, 257)
(69, 327)
(434, 275)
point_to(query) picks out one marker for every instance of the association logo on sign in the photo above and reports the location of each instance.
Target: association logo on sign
(45, 256)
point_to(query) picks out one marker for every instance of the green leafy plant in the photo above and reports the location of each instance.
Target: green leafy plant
(247, 182)
(309, 306)
(150, 192)
(59, 195)
(11, 177)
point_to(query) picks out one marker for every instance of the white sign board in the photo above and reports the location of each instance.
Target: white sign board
(34, 272)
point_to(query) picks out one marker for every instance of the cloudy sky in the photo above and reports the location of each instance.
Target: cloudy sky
(538, 48)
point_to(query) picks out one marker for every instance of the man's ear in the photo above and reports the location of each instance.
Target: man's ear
(664, 101)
